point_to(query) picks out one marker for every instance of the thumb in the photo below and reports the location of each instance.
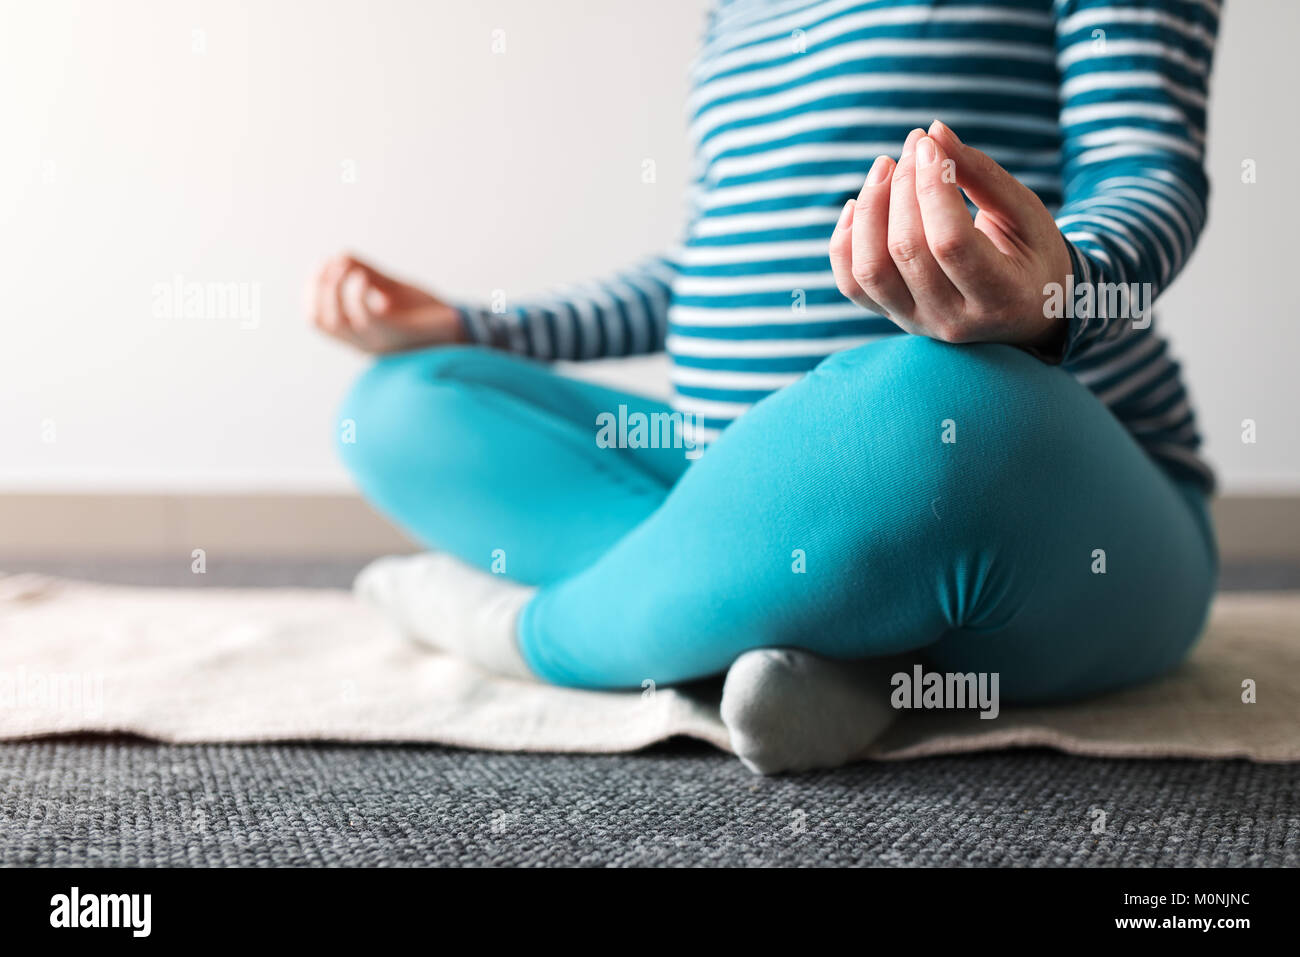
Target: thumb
(989, 186)
(377, 300)
(374, 278)
(376, 290)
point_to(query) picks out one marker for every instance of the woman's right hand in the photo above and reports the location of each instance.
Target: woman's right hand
(359, 305)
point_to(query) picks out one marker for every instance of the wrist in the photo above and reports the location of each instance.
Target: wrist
(1049, 344)
(1052, 336)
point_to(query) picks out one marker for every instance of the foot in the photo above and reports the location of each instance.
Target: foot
(440, 601)
(790, 710)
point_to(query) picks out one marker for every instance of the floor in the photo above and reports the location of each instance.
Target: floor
(119, 801)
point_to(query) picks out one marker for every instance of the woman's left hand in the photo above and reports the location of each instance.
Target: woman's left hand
(908, 249)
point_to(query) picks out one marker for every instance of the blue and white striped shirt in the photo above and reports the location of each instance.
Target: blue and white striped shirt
(1097, 105)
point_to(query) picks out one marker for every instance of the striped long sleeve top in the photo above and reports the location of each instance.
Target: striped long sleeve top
(1097, 105)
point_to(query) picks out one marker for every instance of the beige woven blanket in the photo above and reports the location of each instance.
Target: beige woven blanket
(191, 665)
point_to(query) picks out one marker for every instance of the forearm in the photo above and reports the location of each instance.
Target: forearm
(1134, 86)
(1129, 234)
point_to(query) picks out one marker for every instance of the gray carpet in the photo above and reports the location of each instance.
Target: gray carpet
(131, 803)
(134, 803)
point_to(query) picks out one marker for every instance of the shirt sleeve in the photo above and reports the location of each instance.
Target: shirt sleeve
(624, 314)
(1134, 82)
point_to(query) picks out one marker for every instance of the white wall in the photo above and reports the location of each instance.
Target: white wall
(137, 149)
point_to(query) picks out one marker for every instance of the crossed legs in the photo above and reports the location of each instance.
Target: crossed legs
(969, 502)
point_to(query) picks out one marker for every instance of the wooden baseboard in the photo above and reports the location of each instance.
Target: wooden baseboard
(268, 525)
(280, 525)
(1252, 527)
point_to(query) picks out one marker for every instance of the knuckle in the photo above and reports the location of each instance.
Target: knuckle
(869, 273)
(949, 247)
(930, 188)
(947, 332)
(942, 325)
(961, 329)
(904, 250)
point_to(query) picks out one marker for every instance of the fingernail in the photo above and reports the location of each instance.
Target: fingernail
(925, 153)
(940, 127)
(879, 171)
(845, 213)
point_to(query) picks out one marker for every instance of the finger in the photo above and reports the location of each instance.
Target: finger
(841, 257)
(873, 270)
(352, 297)
(989, 186)
(935, 296)
(334, 301)
(385, 286)
(328, 316)
(378, 302)
(966, 256)
(380, 292)
(325, 316)
(842, 261)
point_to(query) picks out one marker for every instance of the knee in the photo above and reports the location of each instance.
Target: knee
(375, 414)
(983, 395)
(439, 364)
(918, 365)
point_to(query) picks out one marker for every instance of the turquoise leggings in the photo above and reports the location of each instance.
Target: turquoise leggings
(970, 501)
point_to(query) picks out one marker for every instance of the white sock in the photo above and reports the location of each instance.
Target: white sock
(438, 600)
(789, 710)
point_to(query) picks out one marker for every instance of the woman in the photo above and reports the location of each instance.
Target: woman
(961, 436)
